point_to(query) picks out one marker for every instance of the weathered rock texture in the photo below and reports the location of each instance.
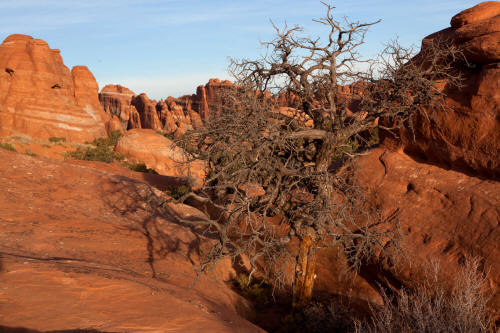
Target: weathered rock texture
(449, 214)
(465, 136)
(41, 98)
(158, 153)
(116, 100)
(444, 214)
(85, 249)
(172, 115)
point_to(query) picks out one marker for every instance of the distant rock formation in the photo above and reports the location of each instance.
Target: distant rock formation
(467, 135)
(116, 101)
(172, 115)
(41, 98)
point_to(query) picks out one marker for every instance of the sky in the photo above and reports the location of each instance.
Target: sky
(169, 47)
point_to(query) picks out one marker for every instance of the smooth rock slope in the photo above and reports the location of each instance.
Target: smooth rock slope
(85, 249)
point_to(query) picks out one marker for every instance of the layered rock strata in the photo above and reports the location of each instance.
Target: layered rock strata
(41, 98)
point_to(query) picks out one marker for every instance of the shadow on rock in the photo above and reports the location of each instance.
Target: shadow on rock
(6, 329)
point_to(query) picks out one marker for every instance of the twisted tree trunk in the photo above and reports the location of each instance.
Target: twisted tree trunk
(304, 273)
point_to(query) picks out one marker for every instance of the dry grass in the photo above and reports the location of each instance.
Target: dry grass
(436, 305)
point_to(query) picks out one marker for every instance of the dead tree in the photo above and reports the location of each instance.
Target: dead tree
(269, 175)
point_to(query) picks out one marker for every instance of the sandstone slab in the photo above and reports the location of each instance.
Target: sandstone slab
(158, 153)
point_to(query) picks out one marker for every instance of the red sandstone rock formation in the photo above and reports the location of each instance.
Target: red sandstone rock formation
(147, 111)
(41, 98)
(444, 215)
(467, 135)
(157, 152)
(447, 214)
(116, 100)
(173, 115)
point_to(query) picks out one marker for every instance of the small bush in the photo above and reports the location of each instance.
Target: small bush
(54, 139)
(8, 146)
(102, 150)
(179, 191)
(436, 305)
(140, 167)
(319, 318)
(256, 291)
(100, 153)
(30, 153)
(110, 141)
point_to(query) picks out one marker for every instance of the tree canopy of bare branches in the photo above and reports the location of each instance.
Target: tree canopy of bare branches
(270, 175)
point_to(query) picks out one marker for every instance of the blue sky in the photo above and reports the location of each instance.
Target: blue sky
(168, 47)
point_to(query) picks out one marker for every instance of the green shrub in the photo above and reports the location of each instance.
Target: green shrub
(7, 146)
(140, 167)
(179, 191)
(110, 141)
(54, 139)
(102, 150)
(30, 153)
(256, 291)
(99, 153)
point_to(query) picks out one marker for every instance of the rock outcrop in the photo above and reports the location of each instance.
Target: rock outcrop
(448, 214)
(116, 101)
(465, 136)
(41, 98)
(147, 111)
(444, 215)
(158, 153)
(82, 249)
(173, 115)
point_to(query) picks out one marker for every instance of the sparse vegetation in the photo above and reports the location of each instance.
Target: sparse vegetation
(30, 153)
(139, 167)
(436, 304)
(102, 150)
(179, 191)
(8, 146)
(55, 140)
(258, 292)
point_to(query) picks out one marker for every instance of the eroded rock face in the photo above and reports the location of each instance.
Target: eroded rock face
(484, 10)
(447, 215)
(173, 115)
(88, 250)
(147, 111)
(41, 98)
(157, 152)
(465, 136)
(444, 214)
(116, 100)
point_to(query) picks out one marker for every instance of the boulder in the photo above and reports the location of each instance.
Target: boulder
(158, 153)
(466, 134)
(41, 98)
(484, 10)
